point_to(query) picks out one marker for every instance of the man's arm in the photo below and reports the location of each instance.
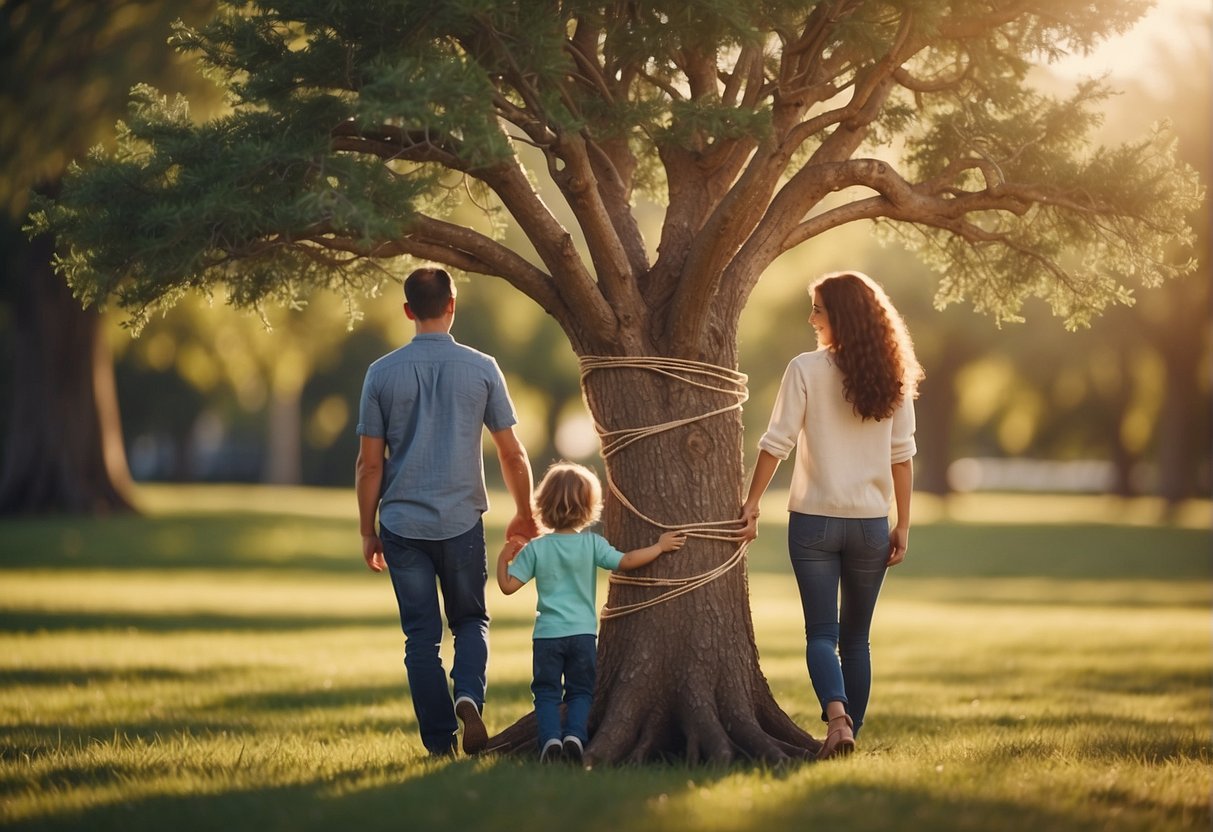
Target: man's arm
(368, 480)
(516, 471)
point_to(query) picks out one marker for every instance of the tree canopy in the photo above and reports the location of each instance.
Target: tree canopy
(355, 128)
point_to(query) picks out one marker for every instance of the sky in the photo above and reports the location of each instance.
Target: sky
(1171, 24)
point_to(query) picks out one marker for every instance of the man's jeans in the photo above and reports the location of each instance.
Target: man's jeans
(418, 569)
(574, 658)
(829, 552)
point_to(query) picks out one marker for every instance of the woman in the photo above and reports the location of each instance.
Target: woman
(848, 410)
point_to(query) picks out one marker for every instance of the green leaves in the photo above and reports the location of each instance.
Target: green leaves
(350, 123)
(65, 70)
(1075, 224)
(178, 207)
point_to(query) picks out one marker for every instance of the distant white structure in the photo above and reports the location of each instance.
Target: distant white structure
(1020, 474)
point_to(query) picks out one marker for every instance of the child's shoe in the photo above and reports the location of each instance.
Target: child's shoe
(573, 749)
(553, 752)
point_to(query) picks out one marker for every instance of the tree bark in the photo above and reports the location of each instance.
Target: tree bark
(63, 449)
(696, 691)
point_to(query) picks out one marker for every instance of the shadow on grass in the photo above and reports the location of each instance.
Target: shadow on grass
(994, 742)
(341, 697)
(251, 712)
(1062, 551)
(461, 795)
(240, 541)
(229, 541)
(956, 808)
(28, 621)
(508, 795)
(1021, 550)
(76, 677)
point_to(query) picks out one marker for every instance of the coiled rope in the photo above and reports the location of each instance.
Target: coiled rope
(697, 374)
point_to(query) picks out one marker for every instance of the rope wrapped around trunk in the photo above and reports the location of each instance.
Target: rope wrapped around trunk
(698, 374)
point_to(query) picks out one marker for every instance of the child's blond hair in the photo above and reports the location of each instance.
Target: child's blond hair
(568, 497)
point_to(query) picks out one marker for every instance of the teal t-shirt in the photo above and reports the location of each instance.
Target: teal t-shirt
(564, 568)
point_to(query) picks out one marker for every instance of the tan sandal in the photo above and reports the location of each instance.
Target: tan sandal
(840, 738)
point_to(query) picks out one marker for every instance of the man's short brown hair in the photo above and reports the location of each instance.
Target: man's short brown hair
(427, 291)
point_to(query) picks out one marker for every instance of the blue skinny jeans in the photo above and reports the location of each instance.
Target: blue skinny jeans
(830, 554)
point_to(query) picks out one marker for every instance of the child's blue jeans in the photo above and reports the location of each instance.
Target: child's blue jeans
(574, 658)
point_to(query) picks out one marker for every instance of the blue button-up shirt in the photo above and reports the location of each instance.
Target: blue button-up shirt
(429, 401)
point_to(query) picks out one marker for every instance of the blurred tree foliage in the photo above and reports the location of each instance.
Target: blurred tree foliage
(65, 69)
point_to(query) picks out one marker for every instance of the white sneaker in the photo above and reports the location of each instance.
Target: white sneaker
(573, 749)
(475, 735)
(553, 752)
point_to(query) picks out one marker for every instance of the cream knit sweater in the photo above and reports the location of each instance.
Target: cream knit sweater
(843, 462)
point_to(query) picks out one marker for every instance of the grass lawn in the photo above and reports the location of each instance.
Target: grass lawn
(227, 662)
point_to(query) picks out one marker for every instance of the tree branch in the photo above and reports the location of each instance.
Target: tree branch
(577, 46)
(390, 143)
(863, 209)
(754, 235)
(453, 245)
(749, 54)
(578, 182)
(615, 193)
(507, 179)
(934, 84)
(554, 245)
(877, 78)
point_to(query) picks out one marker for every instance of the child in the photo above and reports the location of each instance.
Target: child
(563, 562)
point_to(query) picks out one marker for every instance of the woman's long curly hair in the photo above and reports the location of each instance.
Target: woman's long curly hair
(872, 346)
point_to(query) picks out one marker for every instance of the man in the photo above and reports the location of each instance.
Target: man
(426, 405)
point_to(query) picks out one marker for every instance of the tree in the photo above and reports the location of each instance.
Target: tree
(63, 439)
(266, 361)
(354, 124)
(62, 446)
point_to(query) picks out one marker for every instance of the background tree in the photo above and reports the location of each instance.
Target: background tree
(65, 72)
(258, 366)
(351, 122)
(1175, 320)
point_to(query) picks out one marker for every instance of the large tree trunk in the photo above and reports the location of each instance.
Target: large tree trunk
(1183, 422)
(63, 450)
(1178, 436)
(679, 679)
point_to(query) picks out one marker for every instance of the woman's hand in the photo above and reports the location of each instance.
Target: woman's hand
(749, 516)
(899, 542)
